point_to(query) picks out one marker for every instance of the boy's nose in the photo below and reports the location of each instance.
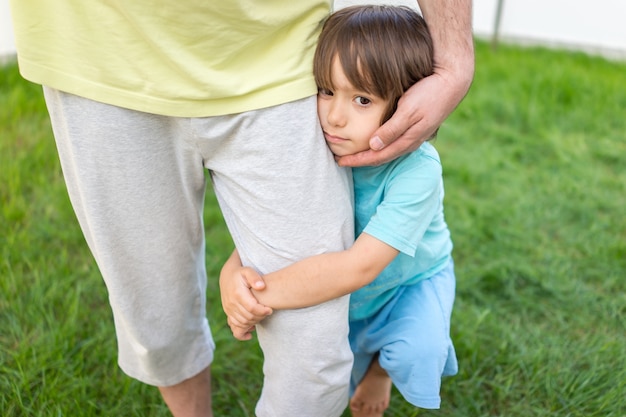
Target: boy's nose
(336, 115)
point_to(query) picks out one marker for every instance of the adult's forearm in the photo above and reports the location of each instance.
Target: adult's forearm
(450, 25)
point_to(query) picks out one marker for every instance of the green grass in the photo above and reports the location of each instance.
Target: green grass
(535, 170)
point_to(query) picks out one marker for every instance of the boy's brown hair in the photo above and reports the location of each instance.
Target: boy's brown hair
(383, 50)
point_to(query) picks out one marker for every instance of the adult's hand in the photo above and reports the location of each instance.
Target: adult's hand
(425, 105)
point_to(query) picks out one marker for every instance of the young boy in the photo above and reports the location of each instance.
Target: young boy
(400, 265)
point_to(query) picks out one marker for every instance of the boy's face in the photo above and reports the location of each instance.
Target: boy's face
(348, 116)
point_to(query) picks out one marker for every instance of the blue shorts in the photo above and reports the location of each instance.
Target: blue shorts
(411, 335)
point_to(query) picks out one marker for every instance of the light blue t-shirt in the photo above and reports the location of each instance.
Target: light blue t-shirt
(401, 204)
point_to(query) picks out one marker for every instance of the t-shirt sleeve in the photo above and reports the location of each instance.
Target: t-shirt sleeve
(413, 197)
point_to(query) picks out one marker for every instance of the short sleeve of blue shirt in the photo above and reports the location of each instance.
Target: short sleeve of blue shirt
(401, 204)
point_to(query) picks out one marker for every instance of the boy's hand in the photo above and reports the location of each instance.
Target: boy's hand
(241, 307)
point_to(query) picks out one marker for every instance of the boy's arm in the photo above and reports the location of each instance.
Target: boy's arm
(305, 283)
(327, 276)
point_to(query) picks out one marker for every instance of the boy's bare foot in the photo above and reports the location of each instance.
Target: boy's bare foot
(372, 395)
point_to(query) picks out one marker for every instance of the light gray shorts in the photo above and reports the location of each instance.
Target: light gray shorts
(137, 184)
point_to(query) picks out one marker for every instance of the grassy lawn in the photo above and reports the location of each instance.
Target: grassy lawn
(535, 167)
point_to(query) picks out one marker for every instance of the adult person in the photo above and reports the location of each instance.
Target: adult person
(143, 99)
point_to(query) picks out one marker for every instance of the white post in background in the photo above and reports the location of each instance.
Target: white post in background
(496, 25)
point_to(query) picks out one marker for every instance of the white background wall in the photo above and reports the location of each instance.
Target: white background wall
(6, 30)
(598, 26)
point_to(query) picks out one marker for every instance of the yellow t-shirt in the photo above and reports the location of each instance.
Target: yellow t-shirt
(188, 58)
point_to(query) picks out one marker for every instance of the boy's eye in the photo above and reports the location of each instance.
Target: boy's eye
(362, 101)
(324, 91)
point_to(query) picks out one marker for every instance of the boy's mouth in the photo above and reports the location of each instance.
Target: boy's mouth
(333, 139)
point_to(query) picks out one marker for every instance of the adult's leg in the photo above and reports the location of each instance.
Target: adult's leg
(284, 198)
(190, 398)
(137, 189)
